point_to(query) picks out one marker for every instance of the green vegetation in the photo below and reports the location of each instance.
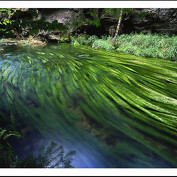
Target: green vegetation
(28, 41)
(51, 157)
(115, 93)
(1, 49)
(149, 45)
(7, 154)
(104, 44)
(19, 23)
(144, 45)
(93, 16)
(109, 98)
(83, 39)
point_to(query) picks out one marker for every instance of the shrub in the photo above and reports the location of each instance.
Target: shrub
(91, 39)
(149, 45)
(103, 44)
(145, 45)
(104, 37)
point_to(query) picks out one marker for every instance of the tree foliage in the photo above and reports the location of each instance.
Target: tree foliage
(93, 16)
(24, 22)
(14, 22)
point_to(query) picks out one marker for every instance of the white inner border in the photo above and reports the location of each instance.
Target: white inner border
(88, 4)
(90, 171)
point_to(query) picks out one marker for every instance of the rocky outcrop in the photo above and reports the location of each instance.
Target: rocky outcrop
(65, 16)
(61, 15)
(158, 20)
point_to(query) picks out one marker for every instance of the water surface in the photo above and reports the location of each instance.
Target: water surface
(114, 110)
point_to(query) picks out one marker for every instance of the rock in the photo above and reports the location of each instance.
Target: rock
(53, 36)
(65, 16)
(61, 15)
(158, 20)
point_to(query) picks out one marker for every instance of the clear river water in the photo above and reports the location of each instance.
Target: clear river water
(115, 110)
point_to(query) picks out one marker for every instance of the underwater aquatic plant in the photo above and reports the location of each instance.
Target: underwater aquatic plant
(57, 89)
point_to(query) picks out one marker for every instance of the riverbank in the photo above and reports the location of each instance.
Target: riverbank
(141, 45)
(27, 41)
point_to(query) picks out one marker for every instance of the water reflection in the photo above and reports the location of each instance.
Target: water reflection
(114, 110)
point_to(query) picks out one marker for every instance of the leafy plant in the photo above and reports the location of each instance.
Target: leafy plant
(52, 157)
(148, 45)
(27, 21)
(103, 44)
(145, 45)
(7, 154)
(91, 39)
(4, 135)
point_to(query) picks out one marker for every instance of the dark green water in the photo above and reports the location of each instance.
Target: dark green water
(114, 110)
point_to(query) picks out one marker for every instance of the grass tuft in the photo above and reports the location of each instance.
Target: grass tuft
(141, 45)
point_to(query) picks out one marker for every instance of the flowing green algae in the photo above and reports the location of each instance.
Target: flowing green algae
(116, 93)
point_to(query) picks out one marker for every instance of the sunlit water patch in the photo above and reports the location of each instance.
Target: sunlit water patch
(114, 110)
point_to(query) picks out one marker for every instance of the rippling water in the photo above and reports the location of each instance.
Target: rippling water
(114, 110)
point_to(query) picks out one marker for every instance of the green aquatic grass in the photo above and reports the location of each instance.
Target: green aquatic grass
(56, 91)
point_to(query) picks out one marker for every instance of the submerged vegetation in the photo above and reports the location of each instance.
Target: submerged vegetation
(63, 90)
